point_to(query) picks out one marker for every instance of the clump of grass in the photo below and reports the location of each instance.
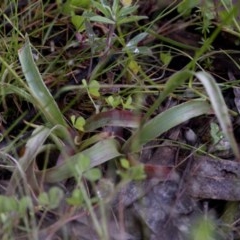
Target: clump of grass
(82, 92)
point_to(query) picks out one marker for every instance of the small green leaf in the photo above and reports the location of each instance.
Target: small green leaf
(137, 172)
(101, 19)
(204, 228)
(73, 119)
(133, 173)
(94, 87)
(186, 6)
(114, 101)
(103, 8)
(135, 41)
(66, 8)
(166, 58)
(127, 11)
(216, 134)
(78, 22)
(82, 164)
(76, 199)
(24, 205)
(78, 123)
(43, 199)
(110, 101)
(126, 3)
(124, 163)
(93, 174)
(131, 19)
(55, 196)
(134, 66)
(84, 82)
(51, 200)
(115, 7)
(8, 204)
(128, 103)
(83, 4)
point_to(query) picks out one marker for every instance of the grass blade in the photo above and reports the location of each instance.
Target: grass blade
(33, 145)
(120, 118)
(39, 91)
(99, 153)
(165, 121)
(39, 136)
(220, 108)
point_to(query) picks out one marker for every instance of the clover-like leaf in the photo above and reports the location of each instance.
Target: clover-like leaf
(94, 87)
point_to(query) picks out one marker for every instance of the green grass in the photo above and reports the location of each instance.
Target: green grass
(66, 88)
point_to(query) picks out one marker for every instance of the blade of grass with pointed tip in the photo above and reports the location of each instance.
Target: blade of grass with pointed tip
(10, 89)
(39, 136)
(33, 145)
(220, 108)
(121, 118)
(99, 153)
(40, 92)
(165, 121)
